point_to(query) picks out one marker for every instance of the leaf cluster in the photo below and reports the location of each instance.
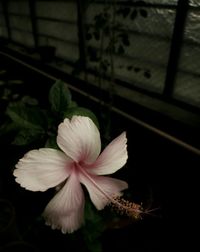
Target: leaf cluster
(29, 123)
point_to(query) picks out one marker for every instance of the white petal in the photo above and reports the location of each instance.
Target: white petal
(66, 210)
(79, 138)
(41, 169)
(101, 189)
(112, 158)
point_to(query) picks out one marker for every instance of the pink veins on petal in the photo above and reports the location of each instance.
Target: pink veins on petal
(78, 162)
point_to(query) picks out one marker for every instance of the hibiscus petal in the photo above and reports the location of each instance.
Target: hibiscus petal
(41, 169)
(101, 189)
(79, 138)
(66, 210)
(112, 158)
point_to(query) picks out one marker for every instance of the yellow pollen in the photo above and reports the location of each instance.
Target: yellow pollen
(125, 207)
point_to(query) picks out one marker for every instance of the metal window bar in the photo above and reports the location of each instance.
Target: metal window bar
(181, 14)
(33, 22)
(177, 38)
(147, 126)
(5, 10)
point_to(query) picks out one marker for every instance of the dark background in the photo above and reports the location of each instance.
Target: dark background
(160, 174)
(162, 131)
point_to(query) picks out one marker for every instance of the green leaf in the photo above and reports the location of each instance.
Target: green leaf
(3, 71)
(51, 143)
(96, 35)
(147, 74)
(7, 128)
(88, 36)
(137, 69)
(28, 136)
(121, 49)
(100, 21)
(133, 14)
(29, 100)
(143, 13)
(73, 104)
(125, 12)
(124, 38)
(2, 82)
(81, 112)
(94, 246)
(59, 97)
(129, 68)
(93, 54)
(93, 228)
(15, 82)
(26, 117)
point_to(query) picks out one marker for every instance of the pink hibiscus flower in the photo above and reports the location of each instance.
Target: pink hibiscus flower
(78, 163)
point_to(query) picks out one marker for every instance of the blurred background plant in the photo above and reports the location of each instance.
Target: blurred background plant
(104, 39)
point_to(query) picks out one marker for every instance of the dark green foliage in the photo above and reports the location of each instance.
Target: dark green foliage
(124, 38)
(124, 12)
(137, 69)
(97, 35)
(143, 13)
(133, 14)
(93, 228)
(26, 117)
(104, 64)
(51, 142)
(81, 112)
(93, 54)
(88, 36)
(129, 68)
(59, 97)
(147, 74)
(28, 136)
(121, 49)
(100, 21)
(112, 35)
(28, 123)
